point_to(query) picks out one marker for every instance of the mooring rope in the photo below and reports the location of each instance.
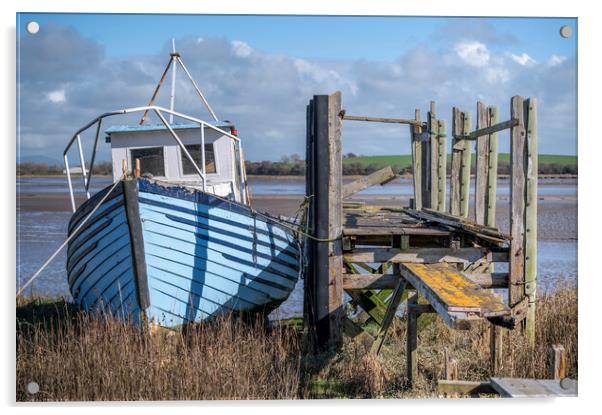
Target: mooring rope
(49, 260)
(294, 227)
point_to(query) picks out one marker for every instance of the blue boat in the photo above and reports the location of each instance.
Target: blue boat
(174, 240)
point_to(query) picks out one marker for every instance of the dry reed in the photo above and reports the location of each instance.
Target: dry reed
(74, 356)
(98, 358)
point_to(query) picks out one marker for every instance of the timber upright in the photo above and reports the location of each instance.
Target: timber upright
(433, 254)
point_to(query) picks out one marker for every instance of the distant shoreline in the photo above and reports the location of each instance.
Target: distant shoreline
(289, 177)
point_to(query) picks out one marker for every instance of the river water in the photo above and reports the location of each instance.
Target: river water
(40, 232)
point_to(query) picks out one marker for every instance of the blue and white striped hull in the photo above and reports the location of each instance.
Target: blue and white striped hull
(175, 255)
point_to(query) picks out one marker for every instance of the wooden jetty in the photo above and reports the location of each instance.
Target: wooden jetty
(432, 254)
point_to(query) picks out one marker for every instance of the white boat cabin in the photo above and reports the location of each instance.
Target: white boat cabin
(162, 158)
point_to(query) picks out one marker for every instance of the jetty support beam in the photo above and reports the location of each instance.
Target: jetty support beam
(381, 177)
(523, 216)
(324, 282)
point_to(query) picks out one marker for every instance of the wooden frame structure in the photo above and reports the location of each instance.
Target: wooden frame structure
(369, 251)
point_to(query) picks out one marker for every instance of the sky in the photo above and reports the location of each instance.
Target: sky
(260, 72)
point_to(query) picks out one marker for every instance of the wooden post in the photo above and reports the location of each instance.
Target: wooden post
(412, 340)
(465, 171)
(557, 362)
(495, 348)
(309, 284)
(433, 155)
(492, 159)
(457, 147)
(441, 166)
(516, 265)
(123, 166)
(482, 168)
(137, 174)
(451, 366)
(417, 162)
(530, 116)
(325, 295)
(390, 313)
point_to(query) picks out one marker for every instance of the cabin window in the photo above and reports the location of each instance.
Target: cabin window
(151, 160)
(195, 152)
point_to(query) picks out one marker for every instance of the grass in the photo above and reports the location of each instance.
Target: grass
(74, 356)
(405, 161)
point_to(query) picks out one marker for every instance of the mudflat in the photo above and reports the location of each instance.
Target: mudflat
(557, 216)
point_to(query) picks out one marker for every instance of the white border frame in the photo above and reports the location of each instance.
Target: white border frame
(590, 35)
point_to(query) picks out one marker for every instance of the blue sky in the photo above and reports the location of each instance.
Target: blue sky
(383, 65)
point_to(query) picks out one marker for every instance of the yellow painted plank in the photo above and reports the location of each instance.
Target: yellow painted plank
(456, 291)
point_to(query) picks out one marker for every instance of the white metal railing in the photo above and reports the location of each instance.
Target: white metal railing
(87, 175)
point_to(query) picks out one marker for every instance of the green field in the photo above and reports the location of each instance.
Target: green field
(405, 160)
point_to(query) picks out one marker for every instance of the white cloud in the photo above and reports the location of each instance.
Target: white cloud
(473, 53)
(523, 59)
(241, 49)
(57, 96)
(315, 72)
(497, 75)
(556, 60)
(266, 93)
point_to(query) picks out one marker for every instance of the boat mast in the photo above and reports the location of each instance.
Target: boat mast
(174, 59)
(172, 96)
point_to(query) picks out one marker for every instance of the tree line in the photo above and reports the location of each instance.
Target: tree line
(45, 169)
(294, 166)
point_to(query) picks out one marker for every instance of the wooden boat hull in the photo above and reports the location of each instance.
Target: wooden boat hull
(174, 255)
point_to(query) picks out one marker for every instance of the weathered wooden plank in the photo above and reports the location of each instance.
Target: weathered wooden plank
(433, 131)
(421, 308)
(532, 388)
(381, 177)
(451, 366)
(335, 219)
(482, 161)
(448, 290)
(412, 341)
(386, 230)
(460, 223)
(464, 387)
(458, 219)
(530, 111)
(381, 119)
(491, 129)
(382, 281)
(457, 147)
(324, 290)
(370, 281)
(465, 168)
(489, 280)
(370, 303)
(496, 343)
(426, 179)
(417, 161)
(517, 202)
(492, 170)
(421, 255)
(557, 362)
(441, 166)
(309, 282)
(390, 313)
